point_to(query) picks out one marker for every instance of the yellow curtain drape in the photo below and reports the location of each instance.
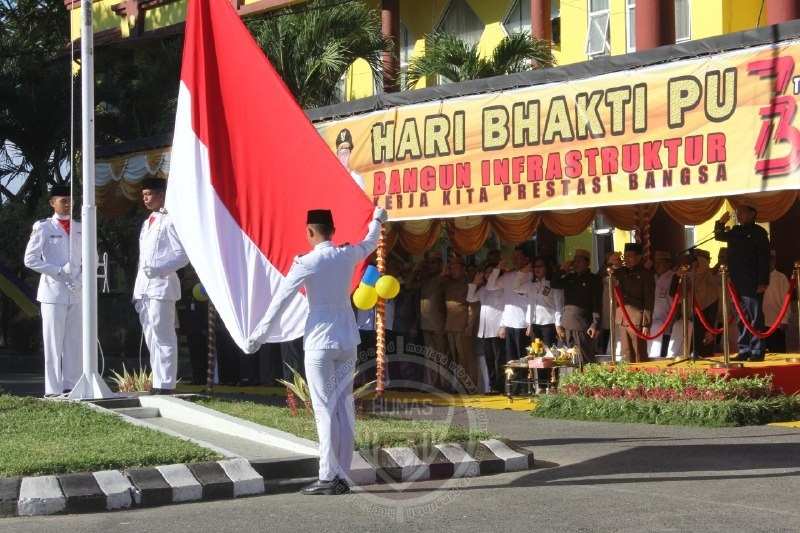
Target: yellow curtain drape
(514, 228)
(569, 222)
(467, 234)
(771, 205)
(417, 236)
(628, 217)
(693, 212)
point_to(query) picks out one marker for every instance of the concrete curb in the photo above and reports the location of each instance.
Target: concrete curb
(234, 478)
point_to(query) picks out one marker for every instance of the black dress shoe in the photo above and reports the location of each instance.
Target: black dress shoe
(327, 488)
(755, 358)
(741, 357)
(155, 391)
(342, 486)
(165, 392)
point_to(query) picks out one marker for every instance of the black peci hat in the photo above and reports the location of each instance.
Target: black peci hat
(60, 190)
(633, 247)
(344, 137)
(320, 216)
(154, 184)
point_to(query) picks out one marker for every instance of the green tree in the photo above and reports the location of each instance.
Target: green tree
(454, 60)
(311, 49)
(35, 85)
(136, 90)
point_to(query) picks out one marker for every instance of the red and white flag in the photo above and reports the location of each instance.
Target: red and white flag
(246, 167)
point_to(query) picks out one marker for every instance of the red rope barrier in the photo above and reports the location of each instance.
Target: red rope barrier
(667, 320)
(709, 328)
(747, 323)
(699, 313)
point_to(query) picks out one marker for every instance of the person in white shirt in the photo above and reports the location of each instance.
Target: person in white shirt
(54, 251)
(662, 270)
(157, 286)
(330, 340)
(773, 301)
(515, 303)
(545, 304)
(490, 346)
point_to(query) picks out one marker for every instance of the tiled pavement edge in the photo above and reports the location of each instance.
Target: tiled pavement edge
(233, 478)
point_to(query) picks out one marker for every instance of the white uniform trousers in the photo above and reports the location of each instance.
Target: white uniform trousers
(158, 325)
(63, 346)
(330, 380)
(654, 346)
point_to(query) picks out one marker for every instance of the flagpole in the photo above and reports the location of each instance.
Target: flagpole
(91, 385)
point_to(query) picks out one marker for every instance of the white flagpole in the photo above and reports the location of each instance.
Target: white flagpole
(91, 385)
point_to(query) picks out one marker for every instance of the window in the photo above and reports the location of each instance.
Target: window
(597, 42)
(339, 93)
(518, 19)
(555, 21)
(630, 24)
(459, 19)
(407, 42)
(683, 20)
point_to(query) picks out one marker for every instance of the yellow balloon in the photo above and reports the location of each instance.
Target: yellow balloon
(199, 293)
(365, 297)
(387, 287)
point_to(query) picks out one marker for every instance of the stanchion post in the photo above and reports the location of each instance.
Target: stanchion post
(685, 312)
(612, 341)
(212, 347)
(726, 349)
(797, 289)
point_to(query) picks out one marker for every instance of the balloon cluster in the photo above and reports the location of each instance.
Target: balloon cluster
(374, 285)
(199, 293)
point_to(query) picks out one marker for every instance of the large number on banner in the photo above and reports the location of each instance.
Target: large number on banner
(777, 118)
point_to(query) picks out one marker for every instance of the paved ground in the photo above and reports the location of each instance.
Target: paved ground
(589, 477)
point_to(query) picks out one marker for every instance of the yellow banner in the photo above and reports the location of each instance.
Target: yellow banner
(715, 126)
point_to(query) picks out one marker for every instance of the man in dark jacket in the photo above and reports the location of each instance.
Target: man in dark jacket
(580, 322)
(748, 261)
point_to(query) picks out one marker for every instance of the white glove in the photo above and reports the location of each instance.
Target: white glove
(152, 272)
(380, 215)
(67, 269)
(252, 346)
(138, 305)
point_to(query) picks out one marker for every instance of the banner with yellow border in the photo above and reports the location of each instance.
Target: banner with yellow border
(713, 126)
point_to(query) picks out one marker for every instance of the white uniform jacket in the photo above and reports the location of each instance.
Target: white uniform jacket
(545, 304)
(48, 250)
(514, 297)
(325, 272)
(160, 249)
(491, 309)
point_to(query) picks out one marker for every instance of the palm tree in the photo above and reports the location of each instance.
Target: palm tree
(136, 90)
(313, 47)
(451, 58)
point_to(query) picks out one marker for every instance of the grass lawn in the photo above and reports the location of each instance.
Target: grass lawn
(48, 437)
(371, 431)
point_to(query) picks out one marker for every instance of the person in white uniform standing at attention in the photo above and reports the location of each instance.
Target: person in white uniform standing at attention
(54, 251)
(157, 287)
(330, 341)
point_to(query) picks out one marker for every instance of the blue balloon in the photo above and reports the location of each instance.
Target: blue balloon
(371, 276)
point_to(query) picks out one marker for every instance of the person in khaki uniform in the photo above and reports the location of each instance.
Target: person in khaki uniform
(637, 286)
(460, 323)
(429, 280)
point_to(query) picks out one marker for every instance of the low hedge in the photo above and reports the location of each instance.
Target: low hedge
(708, 413)
(669, 397)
